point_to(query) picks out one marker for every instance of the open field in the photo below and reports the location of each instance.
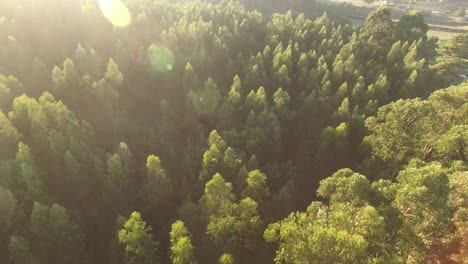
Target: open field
(441, 34)
(420, 5)
(438, 6)
(441, 26)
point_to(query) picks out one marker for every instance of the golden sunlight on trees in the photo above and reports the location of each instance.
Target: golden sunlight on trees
(222, 131)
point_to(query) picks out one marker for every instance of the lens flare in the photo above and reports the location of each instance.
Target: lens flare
(160, 58)
(116, 12)
(204, 102)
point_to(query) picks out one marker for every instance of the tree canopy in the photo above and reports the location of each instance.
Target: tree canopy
(143, 132)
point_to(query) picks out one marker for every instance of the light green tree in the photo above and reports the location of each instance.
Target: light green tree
(140, 248)
(423, 201)
(226, 259)
(9, 138)
(182, 250)
(31, 175)
(157, 186)
(257, 187)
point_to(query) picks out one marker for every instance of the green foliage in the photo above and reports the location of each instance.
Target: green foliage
(411, 27)
(379, 26)
(429, 129)
(229, 224)
(205, 101)
(31, 176)
(226, 259)
(307, 237)
(422, 198)
(19, 250)
(9, 138)
(453, 60)
(281, 99)
(456, 47)
(138, 241)
(325, 232)
(58, 237)
(7, 209)
(120, 177)
(13, 84)
(218, 197)
(113, 74)
(191, 82)
(273, 100)
(345, 186)
(257, 188)
(396, 124)
(459, 202)
(181, 245)
(157, 186)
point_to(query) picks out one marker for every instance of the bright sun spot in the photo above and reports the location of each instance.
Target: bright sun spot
(116, 12)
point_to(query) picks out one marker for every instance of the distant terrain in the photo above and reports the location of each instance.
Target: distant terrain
(444, 17)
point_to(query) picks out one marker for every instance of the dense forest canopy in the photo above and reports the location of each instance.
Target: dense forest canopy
(144, 132)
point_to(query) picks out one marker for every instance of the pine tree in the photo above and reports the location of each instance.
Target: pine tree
(137, 239)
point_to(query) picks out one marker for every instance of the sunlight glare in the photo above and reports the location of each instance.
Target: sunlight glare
(116, 12)
(160, 58)
(203, 102)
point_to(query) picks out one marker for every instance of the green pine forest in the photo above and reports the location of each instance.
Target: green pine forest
(229, 132)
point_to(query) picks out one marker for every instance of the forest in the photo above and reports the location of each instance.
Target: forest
(185, 132)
